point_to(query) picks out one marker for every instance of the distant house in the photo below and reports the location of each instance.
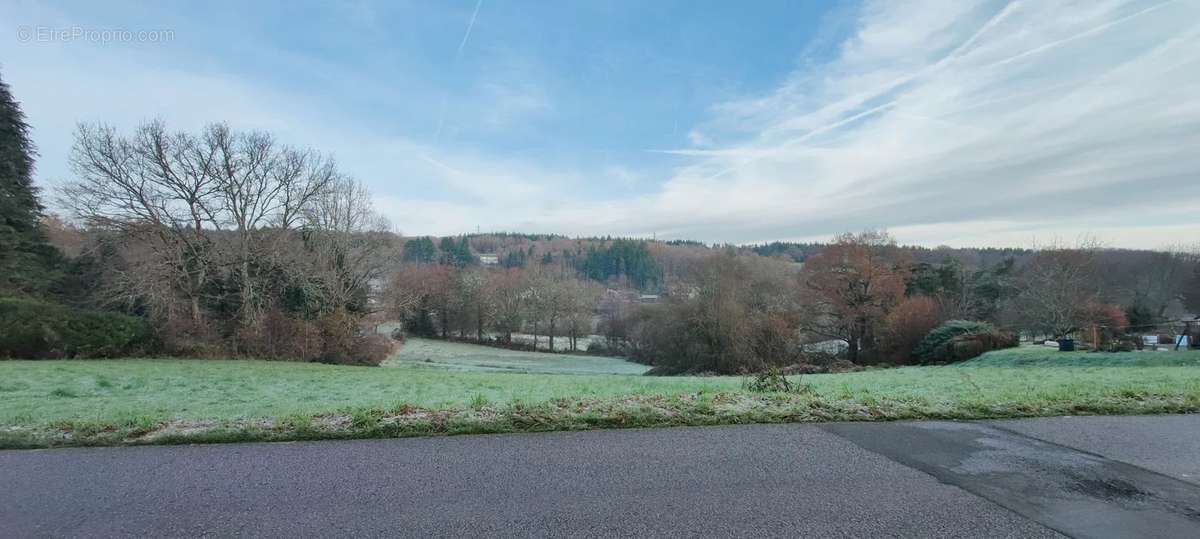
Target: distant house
(648, 298)
(374, 290)
(489, 260)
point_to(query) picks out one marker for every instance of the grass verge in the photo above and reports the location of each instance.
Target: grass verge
(566, 414)
(130, 402)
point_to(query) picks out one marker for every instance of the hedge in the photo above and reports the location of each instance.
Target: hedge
(31, 329)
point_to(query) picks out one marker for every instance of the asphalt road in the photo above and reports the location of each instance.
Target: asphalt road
(1084, 477)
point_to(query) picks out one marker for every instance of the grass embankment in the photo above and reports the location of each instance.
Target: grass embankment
(114, 402)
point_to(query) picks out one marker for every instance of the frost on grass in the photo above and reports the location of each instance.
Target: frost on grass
(700, 408)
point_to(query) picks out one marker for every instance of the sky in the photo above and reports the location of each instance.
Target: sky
(962, 123)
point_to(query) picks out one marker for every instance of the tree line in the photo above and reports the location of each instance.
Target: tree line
(231, 243)
(493, 304)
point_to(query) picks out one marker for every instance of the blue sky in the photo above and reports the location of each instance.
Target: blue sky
(965, 123)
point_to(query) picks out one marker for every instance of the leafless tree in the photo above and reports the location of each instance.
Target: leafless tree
(1056, 289)
(582, 297)
(262, 191)
(150, 186)
(179, 192)
(347, 243)
(510, 292)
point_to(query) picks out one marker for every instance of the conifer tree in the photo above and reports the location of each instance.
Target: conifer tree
(26, 257)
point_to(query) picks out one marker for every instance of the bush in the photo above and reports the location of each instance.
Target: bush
(601, 348)
(336, 338)
(773, 380)
(959, 340)
(32, 329)
(906, 325)
(362, 350)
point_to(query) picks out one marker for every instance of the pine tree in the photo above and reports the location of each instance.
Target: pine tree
(26, 257)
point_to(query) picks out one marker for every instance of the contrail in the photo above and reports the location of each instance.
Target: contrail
(1004, 13)
(437, 135)
(467, 35)
(1007, 10)
(1085, 33)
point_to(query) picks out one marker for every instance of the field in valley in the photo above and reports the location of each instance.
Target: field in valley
(469, 357)
(465, 388)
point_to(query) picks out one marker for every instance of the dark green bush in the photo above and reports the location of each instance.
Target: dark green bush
(959, 340)
(31, 329)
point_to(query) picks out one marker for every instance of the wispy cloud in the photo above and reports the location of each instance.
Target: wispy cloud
(942, 117)
(974, 122)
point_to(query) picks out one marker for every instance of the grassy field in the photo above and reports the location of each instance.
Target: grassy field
(468, 357)
(50, 403)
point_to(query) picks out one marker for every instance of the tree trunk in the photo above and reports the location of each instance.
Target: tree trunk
(247, 290)
(852, 350)
(196, 315)
(479, 323)
(551, 332)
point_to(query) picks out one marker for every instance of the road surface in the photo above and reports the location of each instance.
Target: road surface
(1081, 477)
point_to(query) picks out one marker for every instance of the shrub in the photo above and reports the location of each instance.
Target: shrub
(958, 340)
(773, 380)
(906, 325)
(1107, 315)
(601, 348)
(364, 350)
(336, 338)
(31, 329)
(187, 338)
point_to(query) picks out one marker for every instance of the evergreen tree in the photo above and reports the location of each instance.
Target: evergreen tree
(514, 259)
(446, 248)
(628, 259)
(462, 255)
(420, 250)
(455, 253)
(26, 257)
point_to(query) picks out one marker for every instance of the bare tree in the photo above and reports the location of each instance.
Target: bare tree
(176, 192)
(582, 297)
(1056, 289)
(510, 291)
(262, 189)
(470, 303)
(347, 242)
(150, 186)
(230, 222)
(418, 293)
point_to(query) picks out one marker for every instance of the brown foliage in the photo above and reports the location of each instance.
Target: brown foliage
(906, 325)
(738, 317)
(335, 338)
(850, 286)
(1107, 315)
